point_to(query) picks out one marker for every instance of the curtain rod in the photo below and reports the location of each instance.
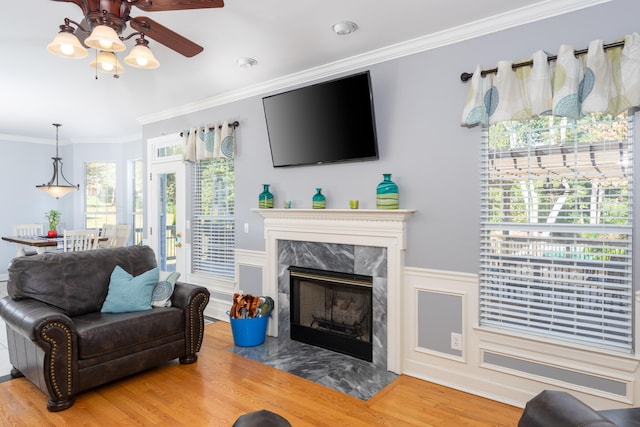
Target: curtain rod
(465, 77)
(231, 125)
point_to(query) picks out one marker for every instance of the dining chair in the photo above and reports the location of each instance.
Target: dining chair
(108, 231)
(117, 235)
(27, 230)
(80, 240)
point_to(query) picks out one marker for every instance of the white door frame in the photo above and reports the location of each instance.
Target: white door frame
(162, 165)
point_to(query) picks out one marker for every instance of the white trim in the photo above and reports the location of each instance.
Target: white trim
(515, 18)
(51, 141)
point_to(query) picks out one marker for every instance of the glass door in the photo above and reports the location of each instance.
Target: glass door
(167, 219)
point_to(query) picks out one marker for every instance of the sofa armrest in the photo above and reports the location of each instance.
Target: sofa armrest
(29, 317)
(552, 408)
(193, 300)
(35, 324)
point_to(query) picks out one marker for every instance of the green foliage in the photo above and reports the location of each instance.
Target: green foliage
(53, 217)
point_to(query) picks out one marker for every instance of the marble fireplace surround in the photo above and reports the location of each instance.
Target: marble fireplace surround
(360, 227)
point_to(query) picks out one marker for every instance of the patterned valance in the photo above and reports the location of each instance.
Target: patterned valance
(601, 81)
(209, 142)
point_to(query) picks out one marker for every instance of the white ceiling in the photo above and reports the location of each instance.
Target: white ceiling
(287, 38)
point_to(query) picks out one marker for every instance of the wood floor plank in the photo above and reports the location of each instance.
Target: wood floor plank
(223, 385)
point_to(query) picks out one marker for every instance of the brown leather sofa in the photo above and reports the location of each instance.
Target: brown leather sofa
(552, 408)
(63, 344)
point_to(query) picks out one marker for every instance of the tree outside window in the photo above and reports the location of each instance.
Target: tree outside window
(100, 194)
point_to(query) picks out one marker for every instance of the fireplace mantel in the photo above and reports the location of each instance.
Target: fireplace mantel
(339, 214)
(365, 227)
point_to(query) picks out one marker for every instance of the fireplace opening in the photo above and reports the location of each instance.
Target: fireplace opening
(332, 310)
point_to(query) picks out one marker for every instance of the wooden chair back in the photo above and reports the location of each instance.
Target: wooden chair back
(80, 240)
(28, 230)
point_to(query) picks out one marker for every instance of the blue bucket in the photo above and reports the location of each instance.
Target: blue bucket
(248, 332)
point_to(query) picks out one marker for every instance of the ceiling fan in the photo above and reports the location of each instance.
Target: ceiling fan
(116, 14)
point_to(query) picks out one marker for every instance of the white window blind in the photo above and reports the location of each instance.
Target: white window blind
(556, 229)
(212, 221)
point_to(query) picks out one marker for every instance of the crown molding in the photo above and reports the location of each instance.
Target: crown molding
(62, 142)
(518, 17)
(4, 137)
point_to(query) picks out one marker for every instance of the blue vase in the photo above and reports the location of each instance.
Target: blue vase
(319, 201)
(387, 193)
(265, 199)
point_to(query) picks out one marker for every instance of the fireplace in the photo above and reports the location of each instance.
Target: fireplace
(370, 231)
(332, 310)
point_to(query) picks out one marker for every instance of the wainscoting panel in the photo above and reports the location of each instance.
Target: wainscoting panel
(438, 316)
(507, 367)
(494, 364)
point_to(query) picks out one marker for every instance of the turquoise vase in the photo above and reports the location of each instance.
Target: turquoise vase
(319, 201)
(387, 193)
(265, 199)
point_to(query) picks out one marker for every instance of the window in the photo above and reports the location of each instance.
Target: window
(556, 229)
(99, 194)
(212, 221)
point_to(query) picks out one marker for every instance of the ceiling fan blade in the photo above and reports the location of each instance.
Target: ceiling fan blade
(82, 4)
(159, 5)
(167, 37)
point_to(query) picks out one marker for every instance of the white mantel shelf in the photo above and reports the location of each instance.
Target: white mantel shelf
(365, 227)
(339, 214)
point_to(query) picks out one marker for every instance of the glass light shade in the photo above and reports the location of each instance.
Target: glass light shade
(141, 57)
(67, 45)
(57, 191)
(105, 38)
(107, 63)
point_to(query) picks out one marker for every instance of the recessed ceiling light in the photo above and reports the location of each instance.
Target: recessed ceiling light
(246, 62)
(345, 27)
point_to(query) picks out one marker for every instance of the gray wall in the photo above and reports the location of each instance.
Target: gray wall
(418, 103)
(30, 164)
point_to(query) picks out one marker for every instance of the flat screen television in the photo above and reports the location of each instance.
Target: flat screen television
(327, 122)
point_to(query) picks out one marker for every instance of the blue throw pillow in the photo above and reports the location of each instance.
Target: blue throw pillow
(128, 293)
(161, 296)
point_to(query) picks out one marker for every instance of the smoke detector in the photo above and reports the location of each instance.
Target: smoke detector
(344, 28)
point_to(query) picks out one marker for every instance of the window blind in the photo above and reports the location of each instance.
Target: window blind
(212, 218)
(556, 229)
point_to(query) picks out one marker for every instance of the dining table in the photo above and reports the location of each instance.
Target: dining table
(39, 244)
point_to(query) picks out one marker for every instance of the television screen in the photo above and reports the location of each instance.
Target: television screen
(323, 123)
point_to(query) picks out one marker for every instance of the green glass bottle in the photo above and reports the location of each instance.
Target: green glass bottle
(319, 201)
(265, 199)
(387, 193)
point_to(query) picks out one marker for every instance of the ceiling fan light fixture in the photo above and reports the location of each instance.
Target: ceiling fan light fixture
(67, 45)
(141, 56)
(105, 38)
(107, 63)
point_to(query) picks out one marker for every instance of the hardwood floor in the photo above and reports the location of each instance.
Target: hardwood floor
(223, 385)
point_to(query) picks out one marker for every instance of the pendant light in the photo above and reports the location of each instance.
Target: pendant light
(53, 187)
